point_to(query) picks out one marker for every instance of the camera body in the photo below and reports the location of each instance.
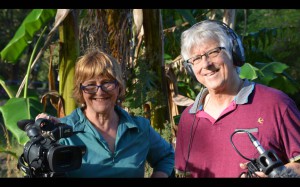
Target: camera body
(42, 155)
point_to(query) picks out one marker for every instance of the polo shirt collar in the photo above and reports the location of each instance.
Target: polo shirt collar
(240, 98)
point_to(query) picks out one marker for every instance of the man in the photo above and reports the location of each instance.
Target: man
(229, 105)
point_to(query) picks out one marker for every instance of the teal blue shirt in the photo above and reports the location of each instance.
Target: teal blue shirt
(136, 142)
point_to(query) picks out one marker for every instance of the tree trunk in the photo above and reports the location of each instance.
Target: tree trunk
(69, 52)
(229, 17)
(154, 45)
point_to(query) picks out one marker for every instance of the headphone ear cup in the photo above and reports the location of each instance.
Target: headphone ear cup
(238, 52)
(189, 69)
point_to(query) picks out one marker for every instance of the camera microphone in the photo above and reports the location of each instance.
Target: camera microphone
(41, 124)
(24, 124)
(270, 164)
(29, 126)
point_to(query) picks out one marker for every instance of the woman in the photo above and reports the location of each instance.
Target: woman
(117, 144)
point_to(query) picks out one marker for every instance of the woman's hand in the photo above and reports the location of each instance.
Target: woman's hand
(47, 116)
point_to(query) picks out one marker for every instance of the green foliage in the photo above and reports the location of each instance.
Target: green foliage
(261, 66)
(11, 19)
(270, 18)
(27, 108)
(2, 150)
(249, 72)
(187, 89)
(9, 160)
(10, 91)
(272, 74)
(141, 88)
(275, 38)
(186, 15)
(166, 132)
(35, 20)
(175, 21)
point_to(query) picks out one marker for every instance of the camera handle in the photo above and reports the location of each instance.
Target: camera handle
(22, 166)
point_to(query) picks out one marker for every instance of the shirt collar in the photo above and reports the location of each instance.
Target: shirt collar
(125, 119)
(240, 98)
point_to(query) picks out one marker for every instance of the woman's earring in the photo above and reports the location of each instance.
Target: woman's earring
(82, 105)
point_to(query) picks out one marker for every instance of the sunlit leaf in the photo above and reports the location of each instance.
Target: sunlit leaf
(16, 109)
(275, 67)
(33, 23)
(248, 72)
(270, 71)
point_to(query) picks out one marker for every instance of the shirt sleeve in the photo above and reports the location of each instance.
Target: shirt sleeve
(161, 153)
(290, 131)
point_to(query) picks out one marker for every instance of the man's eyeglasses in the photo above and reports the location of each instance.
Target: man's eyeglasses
(91, 88)
(209, 55)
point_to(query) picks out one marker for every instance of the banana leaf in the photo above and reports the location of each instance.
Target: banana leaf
(33, 23)
(16, 109)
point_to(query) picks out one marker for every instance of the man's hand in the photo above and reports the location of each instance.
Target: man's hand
(257, 174)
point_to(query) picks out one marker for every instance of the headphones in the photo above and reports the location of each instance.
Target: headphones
(238, 54)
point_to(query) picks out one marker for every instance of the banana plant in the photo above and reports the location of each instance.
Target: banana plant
(272, 74)
(27, 107)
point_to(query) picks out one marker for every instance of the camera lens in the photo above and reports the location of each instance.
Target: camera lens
(64, 158)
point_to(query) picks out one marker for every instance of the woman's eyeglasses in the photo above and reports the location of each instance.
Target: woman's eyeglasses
(92, 88)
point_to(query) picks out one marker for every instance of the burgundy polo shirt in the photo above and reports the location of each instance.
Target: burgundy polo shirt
(203, 144)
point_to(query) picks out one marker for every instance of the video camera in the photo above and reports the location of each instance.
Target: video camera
(42, 155)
